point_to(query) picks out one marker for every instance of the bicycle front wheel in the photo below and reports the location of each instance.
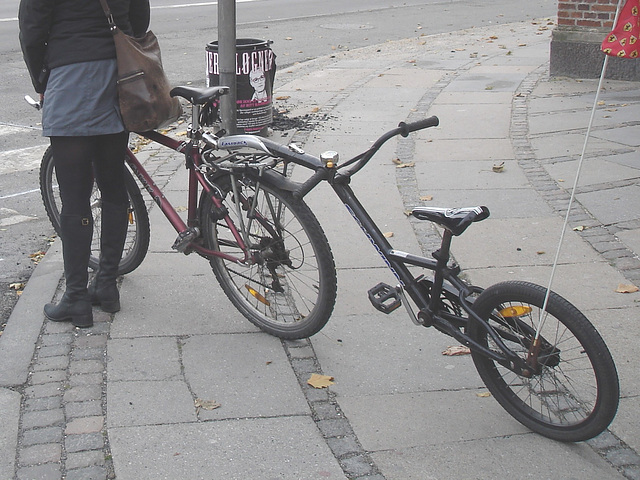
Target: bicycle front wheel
(288, 289)
(572, 394)
(137, 242)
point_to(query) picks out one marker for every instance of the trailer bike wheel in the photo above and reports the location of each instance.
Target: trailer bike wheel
(571, 392)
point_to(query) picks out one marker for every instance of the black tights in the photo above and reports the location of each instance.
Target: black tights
(77, 159)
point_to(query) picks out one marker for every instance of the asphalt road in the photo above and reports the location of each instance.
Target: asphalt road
(300, 30)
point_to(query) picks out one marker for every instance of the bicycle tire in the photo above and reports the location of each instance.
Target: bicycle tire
(575, 393)
(137, 242)
(290, 291)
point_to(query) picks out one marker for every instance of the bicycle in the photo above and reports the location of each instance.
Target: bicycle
(537, 354)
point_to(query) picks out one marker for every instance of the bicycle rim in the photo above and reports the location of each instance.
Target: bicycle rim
(573, 395)
(289, 288)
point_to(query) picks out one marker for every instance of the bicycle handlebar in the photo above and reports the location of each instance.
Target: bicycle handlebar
(407, 128)
(402, 129)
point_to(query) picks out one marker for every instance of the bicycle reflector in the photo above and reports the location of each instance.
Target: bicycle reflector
(254, 293)
(517, 311)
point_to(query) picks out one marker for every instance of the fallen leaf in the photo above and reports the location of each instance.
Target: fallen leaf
(397, 161)
(426, 198)
(17, 286)
(206, 404)
(181, 208)
(455, 350)
(315, 109)
(498, 168)
(404, 165)
(320, 381)
(388, 234)
(483, 394)
(37, 256)
(578, 229)
(627, 288)
(288, 38)
(283, 97)
(541, 252)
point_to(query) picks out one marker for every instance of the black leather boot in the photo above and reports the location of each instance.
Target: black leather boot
(75, 305)
(113, 233)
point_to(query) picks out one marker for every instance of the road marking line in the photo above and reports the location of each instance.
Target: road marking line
(6, 129)
(21, 159)
(161, 7)
(19, 194)
(5, 222)
(203, 4)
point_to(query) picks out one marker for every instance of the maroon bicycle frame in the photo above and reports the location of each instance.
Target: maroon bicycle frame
(195, 178)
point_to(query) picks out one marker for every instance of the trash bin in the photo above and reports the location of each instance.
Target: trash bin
(255, 72)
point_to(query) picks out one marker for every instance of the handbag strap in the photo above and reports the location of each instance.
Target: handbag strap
(109, 15)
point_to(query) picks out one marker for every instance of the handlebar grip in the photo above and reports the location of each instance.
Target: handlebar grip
(407, 128)
(310, 183)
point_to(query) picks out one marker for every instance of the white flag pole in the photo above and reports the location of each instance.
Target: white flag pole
(575, 185)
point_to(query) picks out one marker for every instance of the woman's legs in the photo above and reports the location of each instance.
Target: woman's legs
(109, 170)
(76, 159)
(72, 157)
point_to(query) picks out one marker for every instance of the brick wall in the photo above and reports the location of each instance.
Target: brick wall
(575, 42)
(587, 13)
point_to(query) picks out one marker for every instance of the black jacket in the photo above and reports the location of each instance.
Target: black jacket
(60, 32)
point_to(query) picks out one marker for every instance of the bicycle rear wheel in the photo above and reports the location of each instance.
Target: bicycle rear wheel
(573, 393)
(289, 289)
(137, 242)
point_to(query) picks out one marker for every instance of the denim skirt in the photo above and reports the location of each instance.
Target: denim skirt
(81, 100)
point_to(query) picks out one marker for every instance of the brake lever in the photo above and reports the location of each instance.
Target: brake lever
(34, 103)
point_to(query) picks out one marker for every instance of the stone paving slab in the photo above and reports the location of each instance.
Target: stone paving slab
(503, 457)
(218, 367)
(286, 447)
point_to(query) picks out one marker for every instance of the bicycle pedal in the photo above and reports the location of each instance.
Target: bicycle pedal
(185, 238)
(384, 298)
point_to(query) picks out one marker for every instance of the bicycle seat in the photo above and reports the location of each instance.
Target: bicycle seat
(456, 220)
(199, 96)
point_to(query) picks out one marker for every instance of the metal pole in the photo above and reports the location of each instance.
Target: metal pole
(603, 74)
(227, 56)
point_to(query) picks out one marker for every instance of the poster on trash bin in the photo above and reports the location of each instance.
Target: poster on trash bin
(255, 73)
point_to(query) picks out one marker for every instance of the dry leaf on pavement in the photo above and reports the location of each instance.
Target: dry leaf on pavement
(206, 404)
(626, 288)
(498, 168)
(456, 350)
(37, 256)
(403, 165)
(320, 381)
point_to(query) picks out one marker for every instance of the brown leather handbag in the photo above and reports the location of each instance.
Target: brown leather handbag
(143, 87)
